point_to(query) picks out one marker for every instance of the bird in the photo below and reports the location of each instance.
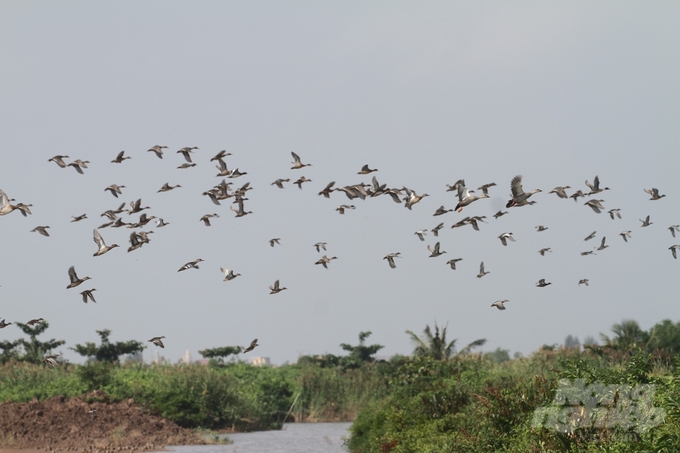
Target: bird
(138, 239)
(240, 212)
(541, 228)
(482, 273)
(297, 163)
(320, 245)
(390, 258)
(412, 198)
(88, 294)
(221, 155)
(341, 209)
(59, 160)
(324, 260)
(161, 223)
(590, 252)
(4, 324)
(436, 229)
(453, 262)
(504, 237)
(465, 197)
(595, 205)
(454, 187)
(235, 173)
(590, 236)
(674, 250)
(78, 218)
(595, 186)
(421, 234)
(279, 183)
(673, 229)
(646, 222)
(34, 321)
(499, 214)
(560, 191)
(301, 180)
(190, 264)
(186, 152)
(485, 188)
(519, 197)
(602, 246)
(542, 251)
(43, 230)
(434, 252)
(206, 218)
(614, 212)
(158, 150)
(75, 281)
(252, 346)
(186, 165)
(158, 341)
(276, 288)
(119, 158)
(577, 194)
(274, 241)
(101, 246)
(499, 304)
(228, 274)
(365, 170)
(115, 190)
(79, 165)
(167, 187)
(5, 206)
(542, 283)
(654, 193)
(441, 211)
(137, 207)
(583, 281)
(625, 235)
(50, 360)
(326, 192)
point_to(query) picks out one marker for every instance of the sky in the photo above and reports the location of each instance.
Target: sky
(426, 93)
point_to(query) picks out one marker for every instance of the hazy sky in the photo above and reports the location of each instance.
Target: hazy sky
(427, 93)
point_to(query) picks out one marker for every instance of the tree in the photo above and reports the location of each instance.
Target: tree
(572, 342)
(217, 355)
(9, 351)
(499, 355)
(436, 347)
(664, 336)
(627, 335)
(107, 351)
(34, 350)
(359, 354)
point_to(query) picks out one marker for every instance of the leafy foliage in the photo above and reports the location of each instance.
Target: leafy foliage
(107, 351)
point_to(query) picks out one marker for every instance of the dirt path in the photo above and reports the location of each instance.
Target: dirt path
(87, 421)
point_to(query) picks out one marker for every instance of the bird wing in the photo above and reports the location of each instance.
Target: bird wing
(72, 274)
(295, 157)
(516, 186)
(4, 199)
(98, 239)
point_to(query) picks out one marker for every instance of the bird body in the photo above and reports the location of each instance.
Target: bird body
(519, 197)
(158, 341)
(88, 294)
(276, 288)
(101, 246)
(297, 163)
(228, 274)
(505, 237)
(500, 304)
(41, 229)
(253, 345)
(453, 262)
(390, 258)
(120, 158)
(646, 222)
(465, 198)
(191, 264)
(542, 283)
(75, 281)
(434, 252)
(654, 193)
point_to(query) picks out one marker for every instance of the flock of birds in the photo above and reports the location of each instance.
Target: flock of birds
(238, 197)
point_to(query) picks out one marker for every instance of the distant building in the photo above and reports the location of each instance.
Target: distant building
(186, 358)
(260, 361)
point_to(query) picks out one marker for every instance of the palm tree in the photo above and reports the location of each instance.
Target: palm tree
(626, 335)
(436, 346)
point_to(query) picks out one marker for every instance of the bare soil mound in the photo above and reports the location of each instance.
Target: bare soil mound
(88, 421)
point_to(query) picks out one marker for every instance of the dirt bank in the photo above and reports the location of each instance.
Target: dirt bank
(87, 421)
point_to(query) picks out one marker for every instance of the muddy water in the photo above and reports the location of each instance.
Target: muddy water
(293, 438)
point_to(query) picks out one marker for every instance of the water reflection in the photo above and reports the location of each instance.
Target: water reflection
(293, 438)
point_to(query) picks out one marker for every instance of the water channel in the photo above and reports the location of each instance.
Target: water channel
(293, 438)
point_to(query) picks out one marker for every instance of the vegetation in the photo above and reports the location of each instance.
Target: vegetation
(107, 351)
(433, 401)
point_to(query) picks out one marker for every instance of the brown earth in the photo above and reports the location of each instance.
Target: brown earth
(89, 421)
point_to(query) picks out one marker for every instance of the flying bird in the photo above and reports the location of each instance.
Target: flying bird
(325, 260)
(542, 283)
(504, 238)
(541, 228)
(320, 245)
(453, 262)
(186, 152)
(43, 230)
(595, 205)
(625, 235)
(158, 150)
(365, 170)
(279, 183)
(275, 241)
(390, 259)
(34, 321)
(115, 190)
(252, 346)
(646, 222)
(228, 274)
(465, 198)
(421, 234)
(276, 288)
(119, 158)
(158, 341)
(499, 304)
(59, 160)
(614, 212)
(583, 281)
(191, 264)
(673, 229)
(436, 229)
(595, 186)
(519, 197)
(674, 250)
(560, 191)
(297, 163)
(482, 273)
(101, 246)
(654, 193)
(434, 252)
(590, 236)
(341, 208)
(88, 294)
(75, 281)
(542, 251)
(206, 218)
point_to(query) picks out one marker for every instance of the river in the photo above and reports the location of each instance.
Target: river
(293, 438)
